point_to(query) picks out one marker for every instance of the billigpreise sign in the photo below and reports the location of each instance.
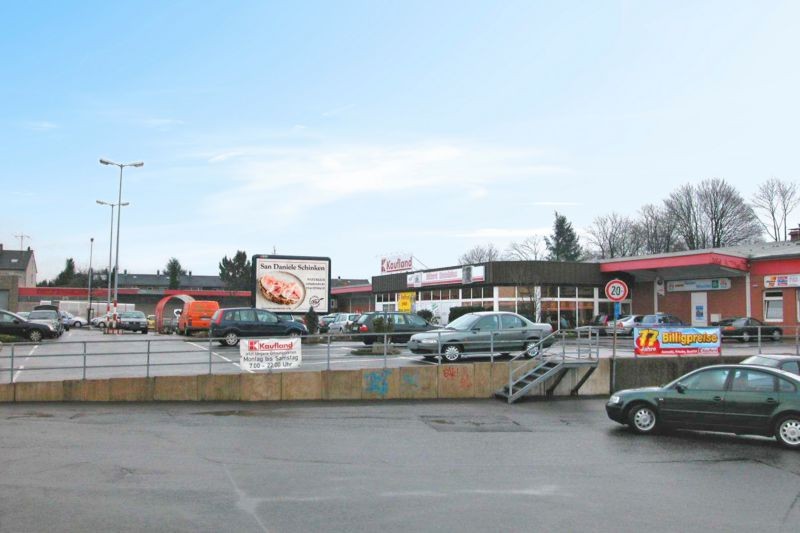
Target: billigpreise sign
(270, 354)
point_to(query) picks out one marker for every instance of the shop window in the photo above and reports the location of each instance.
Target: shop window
(773, 306)
(507, 292)
(507, 306)
(549, 291)
(585, 292)
(525, 292)
(567, 292)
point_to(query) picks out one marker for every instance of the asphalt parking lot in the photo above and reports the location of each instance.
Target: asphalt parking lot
(390, 466)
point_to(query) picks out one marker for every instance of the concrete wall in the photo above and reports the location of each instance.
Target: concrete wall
(471, 380)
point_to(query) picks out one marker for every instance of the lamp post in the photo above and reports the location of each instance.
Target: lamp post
(119, 211)
(110, 248)
(89, 310)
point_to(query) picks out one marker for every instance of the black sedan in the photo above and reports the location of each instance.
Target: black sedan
(745, 329)
(15, 325)
(741, 399)
(231, 324)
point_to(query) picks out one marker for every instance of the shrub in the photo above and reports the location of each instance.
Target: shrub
(456, 312)
(425, 314)
(312, 321)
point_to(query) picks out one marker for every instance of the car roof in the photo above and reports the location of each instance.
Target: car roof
(778, 371)
(777, 357)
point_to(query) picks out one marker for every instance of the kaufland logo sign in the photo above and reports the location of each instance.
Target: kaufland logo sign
(261, 346)
(391, 265)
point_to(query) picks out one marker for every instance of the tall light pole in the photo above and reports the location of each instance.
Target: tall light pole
(110, 248)
(119, 211)
(89, 310)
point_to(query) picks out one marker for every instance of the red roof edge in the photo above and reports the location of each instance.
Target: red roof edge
(655, 263)
(352, 289)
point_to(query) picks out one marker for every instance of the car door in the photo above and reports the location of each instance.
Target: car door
(750, 401)
(266, 324)
(791, 366)
(399, 326)
(245, 322)
(10, 325)
(512, 334)
(479, 338)
(696, 401)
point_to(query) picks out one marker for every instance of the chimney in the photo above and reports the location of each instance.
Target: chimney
(794, 234)
(158, 272)
(29, 248)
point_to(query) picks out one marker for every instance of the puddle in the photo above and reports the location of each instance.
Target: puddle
(474, 424)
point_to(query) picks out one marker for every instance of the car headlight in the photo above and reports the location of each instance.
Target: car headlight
(615, 398)
(52, 328)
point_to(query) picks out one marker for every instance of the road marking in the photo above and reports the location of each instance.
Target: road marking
(21, 367)
(205, 349)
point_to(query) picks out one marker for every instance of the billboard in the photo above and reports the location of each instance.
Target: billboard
(782, 280)
(676, 341)
(283, 283)
(689, 285)
(453, 276)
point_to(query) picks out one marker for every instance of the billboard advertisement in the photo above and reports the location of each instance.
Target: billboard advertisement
(453, 276)
(689, 285)
(677, 341)
(283, 284)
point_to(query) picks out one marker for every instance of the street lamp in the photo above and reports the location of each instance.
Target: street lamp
(137, 164)
(110, 248)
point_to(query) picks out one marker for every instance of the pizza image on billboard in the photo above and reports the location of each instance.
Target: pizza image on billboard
(291, 283)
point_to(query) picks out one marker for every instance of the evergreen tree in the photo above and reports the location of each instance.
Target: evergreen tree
(312, 320)
(66, 276)
(174, 270)
(563, 244)
(235, 273)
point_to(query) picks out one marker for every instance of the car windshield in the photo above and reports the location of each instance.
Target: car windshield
(463, 322)
(43, 315)
(136, 314)
(761, 361)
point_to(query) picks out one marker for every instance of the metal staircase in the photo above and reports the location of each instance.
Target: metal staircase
(549, 361)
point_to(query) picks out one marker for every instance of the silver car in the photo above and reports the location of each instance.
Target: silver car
(479, 332)
(49, 318)
(342, 322)
(624, 325)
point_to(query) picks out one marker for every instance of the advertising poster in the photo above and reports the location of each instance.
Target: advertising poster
(290, 283)
(270, 354)
(677, 341)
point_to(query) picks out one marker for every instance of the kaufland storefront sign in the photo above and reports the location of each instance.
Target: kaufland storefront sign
(392, 265)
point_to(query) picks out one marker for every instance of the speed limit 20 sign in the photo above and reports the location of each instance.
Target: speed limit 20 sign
(616, 290)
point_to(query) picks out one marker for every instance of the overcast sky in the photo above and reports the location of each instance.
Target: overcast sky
(356, 129)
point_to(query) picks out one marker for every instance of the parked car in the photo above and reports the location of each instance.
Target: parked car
(71, 321)
(47, 317)
(624, 325)
(480, 332)
(13, 324)
(660, 320)
(598, 323)
(788, 363)
(23, 314)
(741, 399)
(230, 324)
(324, 321)
(196, 316)
(343, 322)
(745, 329)
(133, 321)
(400, 326)
(100, 321)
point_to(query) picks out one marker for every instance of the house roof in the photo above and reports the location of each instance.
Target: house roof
(15, 259)
(162, 281)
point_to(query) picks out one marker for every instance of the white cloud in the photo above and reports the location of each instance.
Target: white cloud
(40, 125)
(291, 181)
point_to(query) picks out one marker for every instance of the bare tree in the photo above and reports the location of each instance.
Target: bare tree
(775, 200)
(656, 230)
(712, 214)
(480, 254)
(530, 249)
(615, 235)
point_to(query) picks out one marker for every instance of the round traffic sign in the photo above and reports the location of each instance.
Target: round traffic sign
(616, 290)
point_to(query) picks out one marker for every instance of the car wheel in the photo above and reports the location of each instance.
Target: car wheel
(294, 333)
(35, 335)
(368, 342)
(452, 353)
(776, 335)
(144, 332)
(101, 325)
(534, 351)
(643, 419)
(787, 431)
(77, 324)
(745, 337)
(231, 339)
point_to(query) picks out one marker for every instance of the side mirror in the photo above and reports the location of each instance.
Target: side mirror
(16, 321)
(680, 387)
